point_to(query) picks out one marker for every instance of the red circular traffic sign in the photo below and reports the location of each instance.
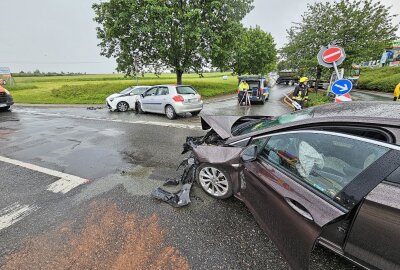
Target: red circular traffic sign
(332, 54)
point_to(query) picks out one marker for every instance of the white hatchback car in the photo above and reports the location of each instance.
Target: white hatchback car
(170, 100)
(126, 99)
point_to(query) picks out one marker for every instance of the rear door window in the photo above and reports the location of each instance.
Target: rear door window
(162, 91)
(324, 162)
(185, 90)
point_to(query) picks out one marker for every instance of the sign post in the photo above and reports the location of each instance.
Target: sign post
(332, 57)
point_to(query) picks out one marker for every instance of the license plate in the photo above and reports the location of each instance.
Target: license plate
(193, 100)
(3, 105)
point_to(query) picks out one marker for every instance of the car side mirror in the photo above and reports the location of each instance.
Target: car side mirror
(249, 154)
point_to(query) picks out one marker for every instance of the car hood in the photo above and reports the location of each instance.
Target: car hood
(114, 95)
(223, 125)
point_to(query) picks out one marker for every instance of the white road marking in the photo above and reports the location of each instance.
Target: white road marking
(154, 123)
(14, 213)
(65, 184)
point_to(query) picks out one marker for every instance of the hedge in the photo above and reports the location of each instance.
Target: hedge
(379, 79)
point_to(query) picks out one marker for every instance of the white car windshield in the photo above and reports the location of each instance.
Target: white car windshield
(126, 91)
(185, 90)
(134, 90)
(139, 90)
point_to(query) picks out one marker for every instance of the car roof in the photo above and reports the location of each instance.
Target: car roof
(172, 85)
(377, 114)
(380, 109)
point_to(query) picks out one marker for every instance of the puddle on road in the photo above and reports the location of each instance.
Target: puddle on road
(108, 239)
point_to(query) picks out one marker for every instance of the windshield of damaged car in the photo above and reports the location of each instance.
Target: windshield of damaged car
(267, 123)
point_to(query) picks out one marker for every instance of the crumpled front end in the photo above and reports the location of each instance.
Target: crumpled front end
(209, 149)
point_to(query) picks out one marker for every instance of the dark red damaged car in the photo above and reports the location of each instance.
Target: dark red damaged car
(328, 175)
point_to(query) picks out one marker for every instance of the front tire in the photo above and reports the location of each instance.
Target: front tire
(170, 112)
(214, 181)
(122, 106)
(138, 108)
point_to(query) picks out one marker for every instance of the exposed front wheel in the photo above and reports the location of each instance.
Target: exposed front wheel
(138, 107)
(214, 181)
(122, 106)
(170, 112)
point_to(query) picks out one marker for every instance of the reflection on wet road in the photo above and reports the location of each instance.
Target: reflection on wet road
(273, 107)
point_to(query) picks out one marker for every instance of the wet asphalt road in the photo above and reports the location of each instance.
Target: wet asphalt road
(111, 219)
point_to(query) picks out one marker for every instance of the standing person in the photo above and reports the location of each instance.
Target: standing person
(300, 94)
(243, 89)
(243, 86)
(396, 93)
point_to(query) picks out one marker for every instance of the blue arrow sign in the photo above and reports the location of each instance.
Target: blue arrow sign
(342, 87)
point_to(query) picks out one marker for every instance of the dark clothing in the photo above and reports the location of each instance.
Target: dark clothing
(300, 92)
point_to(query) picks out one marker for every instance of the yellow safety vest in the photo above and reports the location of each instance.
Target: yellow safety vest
(244, 87)
(300, 95)
(396, 92)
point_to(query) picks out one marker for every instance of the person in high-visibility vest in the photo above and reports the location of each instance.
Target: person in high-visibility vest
(396, 93)
(243, 86)
(244, 92)
(300, 94)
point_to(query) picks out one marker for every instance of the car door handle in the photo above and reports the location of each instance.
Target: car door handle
(299, 208)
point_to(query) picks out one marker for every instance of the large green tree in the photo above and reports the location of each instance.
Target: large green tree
(166, 34)
(254, 52)
(362, 27)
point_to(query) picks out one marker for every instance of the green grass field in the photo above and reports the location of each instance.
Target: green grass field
(93, 89)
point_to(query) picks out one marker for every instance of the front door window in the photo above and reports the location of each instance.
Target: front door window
(325, 162)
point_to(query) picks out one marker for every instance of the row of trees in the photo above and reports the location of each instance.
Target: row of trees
(191, 35)
(37, 72)
(183, 35)
(362, 27)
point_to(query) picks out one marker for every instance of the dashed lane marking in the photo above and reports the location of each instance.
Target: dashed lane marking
(154, 123)
(14, 213)
(65, 184)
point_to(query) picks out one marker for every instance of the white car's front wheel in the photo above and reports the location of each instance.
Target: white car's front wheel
(170, 112)
(122, 106)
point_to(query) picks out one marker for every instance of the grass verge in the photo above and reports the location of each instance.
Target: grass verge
(93, 89)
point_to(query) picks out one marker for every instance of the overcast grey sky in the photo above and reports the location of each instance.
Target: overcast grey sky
(59, 35)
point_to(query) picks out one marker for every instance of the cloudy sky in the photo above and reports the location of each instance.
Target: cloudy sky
(59, 35)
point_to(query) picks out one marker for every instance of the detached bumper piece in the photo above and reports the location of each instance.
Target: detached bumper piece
(182, 197)
(177, 199)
